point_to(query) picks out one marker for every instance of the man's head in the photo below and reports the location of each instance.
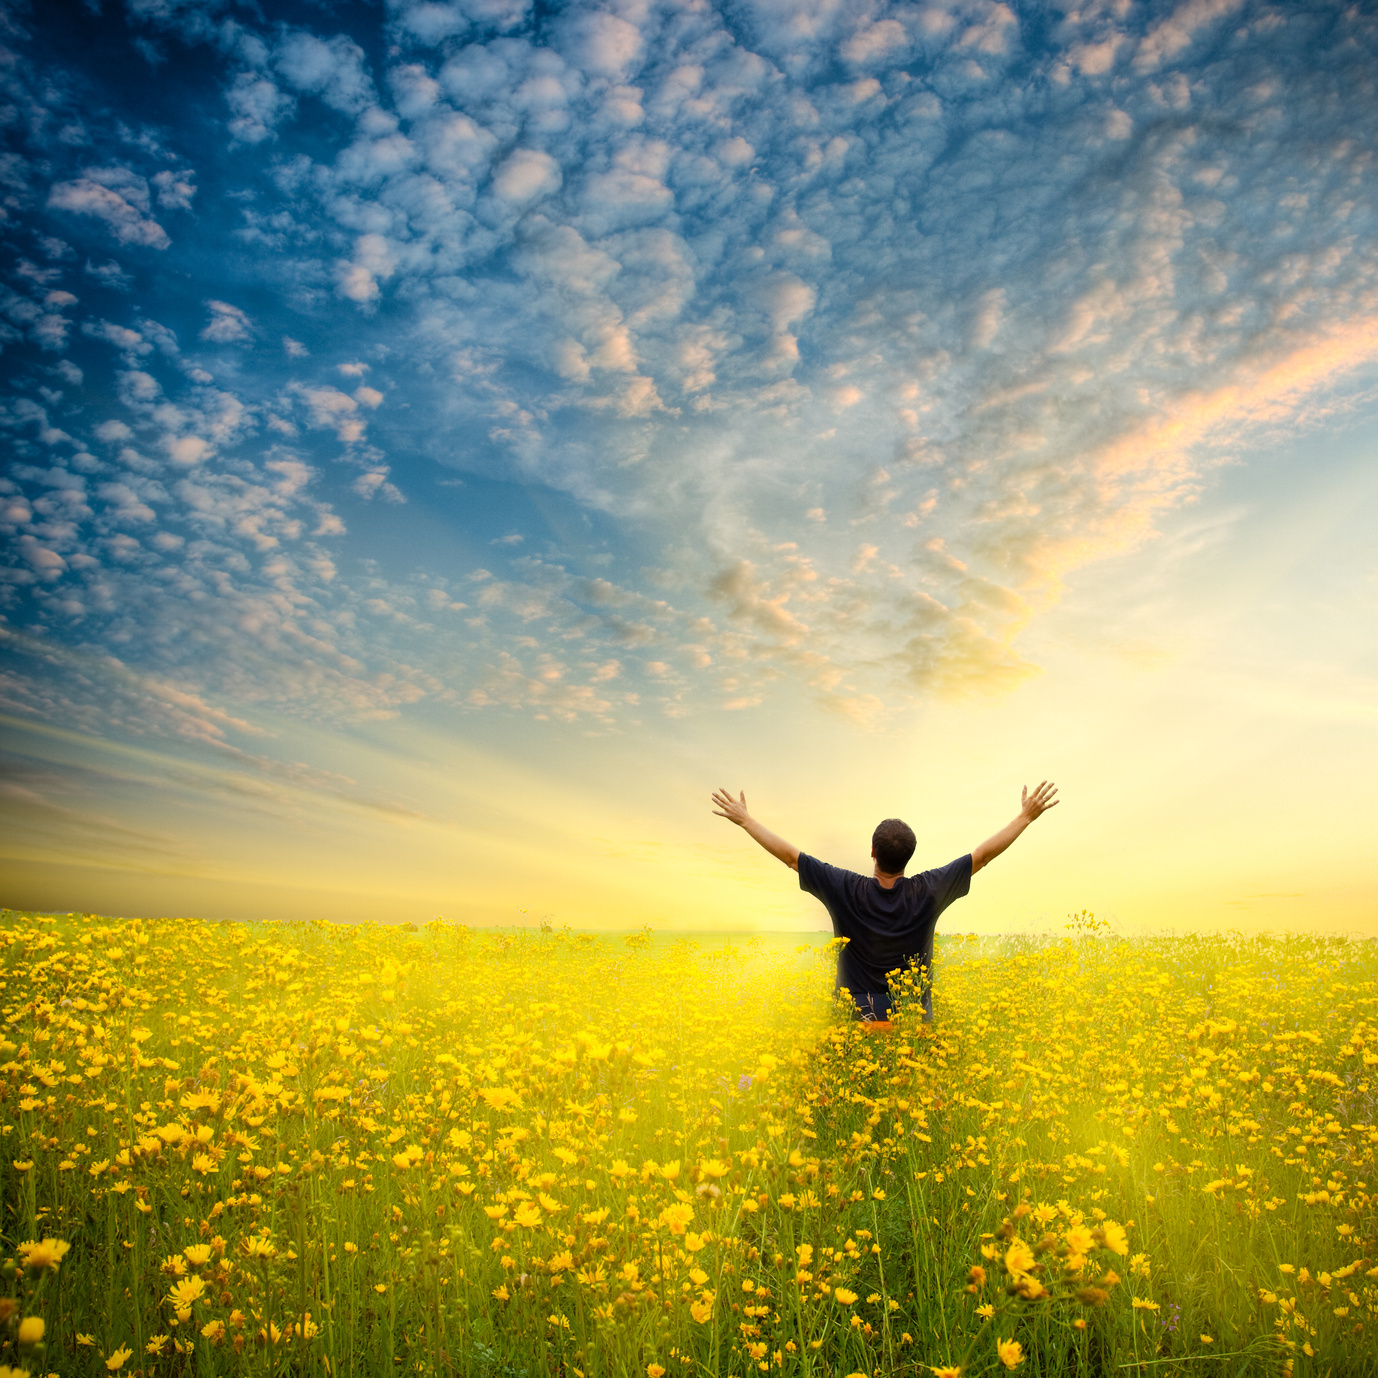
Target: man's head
(892, 844)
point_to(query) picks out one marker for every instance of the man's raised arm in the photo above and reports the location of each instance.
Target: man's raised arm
(735, 811)
(1030, 806)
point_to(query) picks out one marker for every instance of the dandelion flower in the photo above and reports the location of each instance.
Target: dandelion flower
(845, 1295)
(1011, 1352)
(116, 1361)
(1115, 1238)
(31, 1330)
(47, 1253)
(186, 1291)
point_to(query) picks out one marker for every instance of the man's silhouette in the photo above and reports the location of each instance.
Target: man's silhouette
(887, 918)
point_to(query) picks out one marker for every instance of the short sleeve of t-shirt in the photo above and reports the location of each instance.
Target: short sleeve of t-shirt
(820, 880)
(950, 882)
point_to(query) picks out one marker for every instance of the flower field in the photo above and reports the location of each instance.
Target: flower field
(260, 1149)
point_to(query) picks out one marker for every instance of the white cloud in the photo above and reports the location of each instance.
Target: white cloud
(131, 342)
(332, 69)
(257, 107)
(117, 197)
(331, 409)
(175, 189)
(227, 325)
(526, 175)
(374, 259)
(375, 483)
(602, 44)
(710, 286)
(1171, 35)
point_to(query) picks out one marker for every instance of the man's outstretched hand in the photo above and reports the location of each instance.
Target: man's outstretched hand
(1031, 806)
(1039, 802)
(736, 811)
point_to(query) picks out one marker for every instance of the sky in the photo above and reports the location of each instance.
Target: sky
(446, 439)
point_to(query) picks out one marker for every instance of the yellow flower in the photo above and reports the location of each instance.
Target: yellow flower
(1207, 1339)
(713, 1167)
(155, 1345)
(1019, 1258)
(183, 1293)
(654, 1371)
(116, 1361)
(1079, 1240)
(844, 1295)
(946, 1371)
(527, 1215)
(213, 1330)
(589, 1217)
(31, 1330)
(694, 1242)
(198, 1255)
(1115, 1238)
(47, 1253)
(701, 1311)
(1143, 1304)
(677, 1217)
(1011, 1352)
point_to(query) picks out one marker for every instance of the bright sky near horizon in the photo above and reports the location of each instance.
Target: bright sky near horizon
(445, 439)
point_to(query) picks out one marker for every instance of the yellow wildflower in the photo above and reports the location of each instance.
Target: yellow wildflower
(46, 1253)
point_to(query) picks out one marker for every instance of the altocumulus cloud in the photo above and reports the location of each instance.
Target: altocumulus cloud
(853, 328)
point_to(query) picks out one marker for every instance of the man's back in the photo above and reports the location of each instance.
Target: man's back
(888, 918)
(887, 929)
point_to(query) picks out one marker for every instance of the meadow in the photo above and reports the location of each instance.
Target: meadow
(356, 1150)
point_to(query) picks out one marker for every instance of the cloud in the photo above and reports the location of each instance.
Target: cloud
(117, 197)
(1171, 35)
(109, 275)
(257, 107)
(227, 325)
(602, 44)
(875, 323)
(332, 69)
(526, 175)
(175, 189)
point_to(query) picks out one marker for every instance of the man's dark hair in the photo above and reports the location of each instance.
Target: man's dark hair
(894, 843)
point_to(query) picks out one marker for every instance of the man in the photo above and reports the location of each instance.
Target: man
(888, 919)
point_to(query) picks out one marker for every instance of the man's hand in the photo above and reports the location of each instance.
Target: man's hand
(735, 811)
(1039, 802)
(1031, 806)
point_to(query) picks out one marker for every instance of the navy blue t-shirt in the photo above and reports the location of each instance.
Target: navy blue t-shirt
(888, 930)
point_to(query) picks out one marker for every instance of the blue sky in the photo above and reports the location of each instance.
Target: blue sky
(586, 382)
